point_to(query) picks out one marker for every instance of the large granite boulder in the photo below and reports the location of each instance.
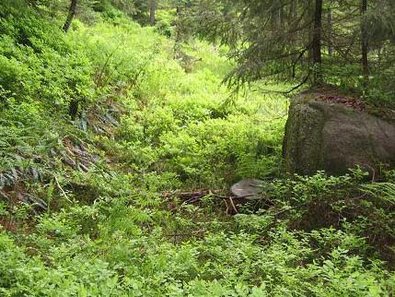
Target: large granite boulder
(332, 137)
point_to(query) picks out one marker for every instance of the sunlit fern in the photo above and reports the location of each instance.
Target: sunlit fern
(384, 191)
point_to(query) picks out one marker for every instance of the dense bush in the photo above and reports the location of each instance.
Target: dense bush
(38, 63)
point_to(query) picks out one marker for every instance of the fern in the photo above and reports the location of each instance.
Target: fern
(384, 191)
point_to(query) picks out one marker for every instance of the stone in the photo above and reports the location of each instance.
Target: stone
(247, 188)
(332, 137)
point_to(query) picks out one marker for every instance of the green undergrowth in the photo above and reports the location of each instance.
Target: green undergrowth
(97, 206)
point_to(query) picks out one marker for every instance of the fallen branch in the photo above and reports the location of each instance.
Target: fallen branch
(191, 195)
(196, 196)
(61, 189)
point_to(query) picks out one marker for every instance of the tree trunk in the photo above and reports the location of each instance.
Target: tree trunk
(316, 43)
(73, 108)
(294, 13)
(152, 12)
(364, 44)
(70, 16)
(330, 46)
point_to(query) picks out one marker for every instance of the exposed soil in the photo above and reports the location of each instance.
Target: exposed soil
(331, 94)
(348, 101)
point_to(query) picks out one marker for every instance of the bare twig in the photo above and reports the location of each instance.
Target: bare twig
(233, 205)
(61, 189)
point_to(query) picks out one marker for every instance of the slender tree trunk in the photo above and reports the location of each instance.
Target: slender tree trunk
(330, 46)
(364, 44)
(380, 55)
(281, 16)
(152, 12)
(275, 14)
(294, 13)
(73, 108)
(74, 103)
(70, 16)
(316, 43)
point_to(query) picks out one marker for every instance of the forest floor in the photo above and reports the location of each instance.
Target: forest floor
(130, 199)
